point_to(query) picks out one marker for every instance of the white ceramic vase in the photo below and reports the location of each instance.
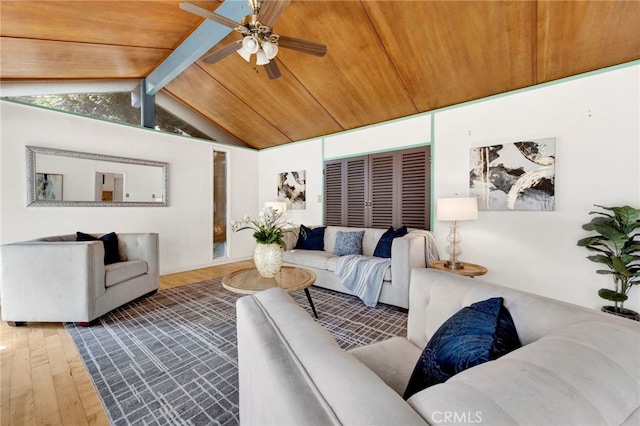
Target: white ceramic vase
(268, 259)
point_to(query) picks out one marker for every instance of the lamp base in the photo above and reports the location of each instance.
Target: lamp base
(453, 265)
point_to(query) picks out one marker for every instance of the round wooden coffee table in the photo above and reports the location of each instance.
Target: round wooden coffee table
(290, 279)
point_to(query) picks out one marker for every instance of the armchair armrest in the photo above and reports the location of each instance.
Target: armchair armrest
(31, 292)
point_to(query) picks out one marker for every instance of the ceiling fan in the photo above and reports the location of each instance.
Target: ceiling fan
(257, 35)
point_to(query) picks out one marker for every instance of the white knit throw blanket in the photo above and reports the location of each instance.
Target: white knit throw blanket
(363, 275)
(430, 250)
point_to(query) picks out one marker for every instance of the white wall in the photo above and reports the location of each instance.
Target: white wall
(185, 227)
(397, 134)
(293, 157)
(595, 120)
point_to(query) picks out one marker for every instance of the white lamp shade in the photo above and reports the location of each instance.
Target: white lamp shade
(261, 58)
(457, 209)
(270, 49)
(279, 206)
(250, 44)
(245, 55)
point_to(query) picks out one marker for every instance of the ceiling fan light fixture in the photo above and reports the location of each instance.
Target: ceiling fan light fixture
(261, 58)
(257, 34)
(245, 55)
(270, 49)
(250, 44)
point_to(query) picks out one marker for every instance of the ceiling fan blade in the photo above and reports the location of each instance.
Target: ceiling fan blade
(272, 70)
(204, 13)
(271, 11)
(223, 53)
(305, 46)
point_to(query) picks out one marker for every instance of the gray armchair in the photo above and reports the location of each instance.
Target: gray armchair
(59, 279)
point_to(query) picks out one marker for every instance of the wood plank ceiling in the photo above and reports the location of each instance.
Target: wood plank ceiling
(385, 60)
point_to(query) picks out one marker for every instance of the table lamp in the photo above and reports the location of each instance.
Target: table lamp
(279, 206)
(455, 209)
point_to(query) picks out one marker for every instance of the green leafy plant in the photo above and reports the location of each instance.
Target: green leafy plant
(270, 226)
(618, 247)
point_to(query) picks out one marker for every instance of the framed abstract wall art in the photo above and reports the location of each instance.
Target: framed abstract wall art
(292, 187)
(48, 186)
(514, 176)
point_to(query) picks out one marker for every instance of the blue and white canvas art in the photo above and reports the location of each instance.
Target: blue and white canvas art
(514, 176)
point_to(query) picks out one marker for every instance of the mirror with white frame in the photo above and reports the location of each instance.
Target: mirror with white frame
(57, 177)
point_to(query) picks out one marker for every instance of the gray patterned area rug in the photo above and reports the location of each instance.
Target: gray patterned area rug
(171, 358)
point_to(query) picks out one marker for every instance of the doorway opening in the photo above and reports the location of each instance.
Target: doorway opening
(219, 204)
(109, 186)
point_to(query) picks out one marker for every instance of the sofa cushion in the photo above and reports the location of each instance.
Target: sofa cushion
(392, 360)
(309, 258)
(348, 243)
(110, 242)
(311, 239)
(383, 248)
(476, 334)
(582, 374)
(116, 273)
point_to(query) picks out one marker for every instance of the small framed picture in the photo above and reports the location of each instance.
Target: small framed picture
(48, 186)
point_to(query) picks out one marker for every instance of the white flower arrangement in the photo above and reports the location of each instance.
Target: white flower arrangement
(270, 226)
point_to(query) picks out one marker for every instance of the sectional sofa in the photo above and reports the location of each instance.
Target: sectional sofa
(413, 250)
(576, 366)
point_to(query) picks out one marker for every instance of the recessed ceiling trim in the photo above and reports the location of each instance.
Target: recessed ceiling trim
(199, 42)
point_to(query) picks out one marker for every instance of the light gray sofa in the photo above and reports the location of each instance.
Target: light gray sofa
(59, 279)
(408, 252)
(576, 367)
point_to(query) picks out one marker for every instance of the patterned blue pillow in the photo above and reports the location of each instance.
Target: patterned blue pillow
(383, 248)
(348, 243)
(311, 239)
(476, 334)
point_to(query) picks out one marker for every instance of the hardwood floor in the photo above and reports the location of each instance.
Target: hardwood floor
(42, 378)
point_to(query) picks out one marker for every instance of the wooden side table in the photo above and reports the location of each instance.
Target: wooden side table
(469, 270)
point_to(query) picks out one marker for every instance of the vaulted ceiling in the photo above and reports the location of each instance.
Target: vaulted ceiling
(385, 60)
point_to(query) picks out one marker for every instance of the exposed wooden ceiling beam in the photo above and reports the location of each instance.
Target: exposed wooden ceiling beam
(207, 35)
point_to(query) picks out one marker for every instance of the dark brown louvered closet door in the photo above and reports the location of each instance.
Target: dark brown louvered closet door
(383, 191)
(379, 190)
(333, 193)
(415, 188)
(356, 187)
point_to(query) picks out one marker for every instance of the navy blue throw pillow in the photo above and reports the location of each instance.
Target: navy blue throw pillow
(311, 239)
(383, 248)
(476, 334)
(110, 242)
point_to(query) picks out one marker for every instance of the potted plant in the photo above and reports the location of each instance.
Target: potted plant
(617, 245)
(269, 229)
